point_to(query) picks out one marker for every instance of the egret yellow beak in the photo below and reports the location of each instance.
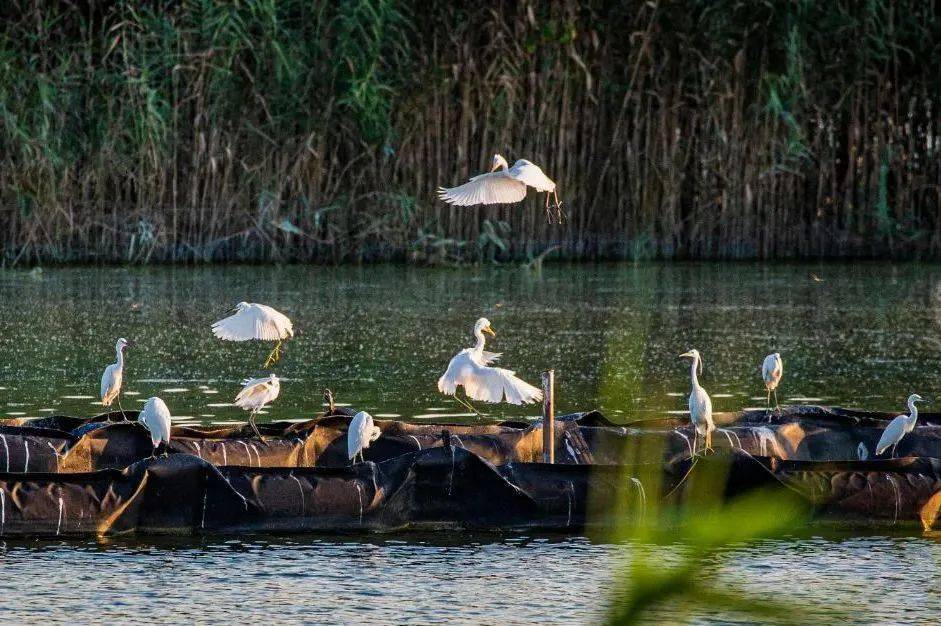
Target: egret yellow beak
(490, 331)
(687, 354)
(494, 168)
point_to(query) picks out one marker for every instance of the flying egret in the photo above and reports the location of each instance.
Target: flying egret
(899, 427)
(471, 369)
(256, 321)
(772, 369)
(256, 393)
(361, 433)
(113, 376)
(700, 405)
(506, 186)
(156, 417)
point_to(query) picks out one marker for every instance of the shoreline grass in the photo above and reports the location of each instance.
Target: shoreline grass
(195, 131)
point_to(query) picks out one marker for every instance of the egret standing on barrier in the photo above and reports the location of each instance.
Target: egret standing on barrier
(899, 427)
(113, 376)
(156, 417)
(772, 369)
(471, 369)
(256, 393)
(504, 187)
(361, 433)
(256, 321)
(700, 405)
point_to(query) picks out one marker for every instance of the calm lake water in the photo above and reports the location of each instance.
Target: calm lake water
(863, 335)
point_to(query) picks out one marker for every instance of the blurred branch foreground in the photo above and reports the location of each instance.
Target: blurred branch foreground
(192, 130)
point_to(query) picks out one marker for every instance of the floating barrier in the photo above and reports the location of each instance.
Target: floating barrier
(69, 476)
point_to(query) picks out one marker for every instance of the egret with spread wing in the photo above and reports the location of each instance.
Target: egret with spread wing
(899, 427)
(772, 369)
(700, 404)
(256, 321)
(361, 433)
(156, 417)
(470, 368)
(113, 376)
(506, 186)
(257, 393)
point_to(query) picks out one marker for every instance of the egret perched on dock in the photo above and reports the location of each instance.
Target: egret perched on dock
(506, 186)
(700, 404)
(156, 417)
(772, 369)
(256, 321)
(899, 427)
(471, 369)
(113, 376)
(361, 433)
(256, 393)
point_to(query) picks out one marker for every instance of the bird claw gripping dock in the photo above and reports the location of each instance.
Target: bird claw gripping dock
(69, 476)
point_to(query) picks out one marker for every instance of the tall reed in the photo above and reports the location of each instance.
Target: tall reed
(196, 130)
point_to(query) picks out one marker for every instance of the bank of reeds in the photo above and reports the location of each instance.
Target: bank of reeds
(196, 130)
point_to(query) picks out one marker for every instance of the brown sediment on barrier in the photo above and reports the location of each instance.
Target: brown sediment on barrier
(808, 433)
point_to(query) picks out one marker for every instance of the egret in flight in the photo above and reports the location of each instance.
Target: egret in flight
(113, 376)
(156, 417)
(361, 433)
(700, 404)
(772, 369)
(256, 321)
(899, 427)
(506, 186)
(256, 393)
(471, 369)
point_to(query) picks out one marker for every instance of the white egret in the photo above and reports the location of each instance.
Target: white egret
(113, 376)
(471, 369)
(156, 417)
(899, 427)
(772, 369)
(700, 404)
(361, 433)
(256, 393)
(256, 321)
(506, 186)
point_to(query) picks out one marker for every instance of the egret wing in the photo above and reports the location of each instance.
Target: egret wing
(276, 321)
(459, 366)
(237, 327)
(493, 384)
(489, 358)
(531, 174)
(491, 188)
(358, 434)
(771, 368)
(892, 434)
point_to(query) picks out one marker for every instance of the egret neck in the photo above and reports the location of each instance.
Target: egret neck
(693, 377)
(481, 341)
(120, 357)
(912, 416)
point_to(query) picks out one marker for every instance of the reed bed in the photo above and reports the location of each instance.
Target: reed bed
(290, 130)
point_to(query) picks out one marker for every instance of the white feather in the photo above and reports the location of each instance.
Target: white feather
(113, 375)
(361, 433)
(254, 321)
(258, 392)
(492, 188)
(470, 368)
(505, 186)
(772, 369)
(156, 417)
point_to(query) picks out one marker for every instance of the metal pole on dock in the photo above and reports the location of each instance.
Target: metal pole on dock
(548, 416)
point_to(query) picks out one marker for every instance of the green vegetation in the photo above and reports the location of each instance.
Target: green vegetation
(197, 130)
